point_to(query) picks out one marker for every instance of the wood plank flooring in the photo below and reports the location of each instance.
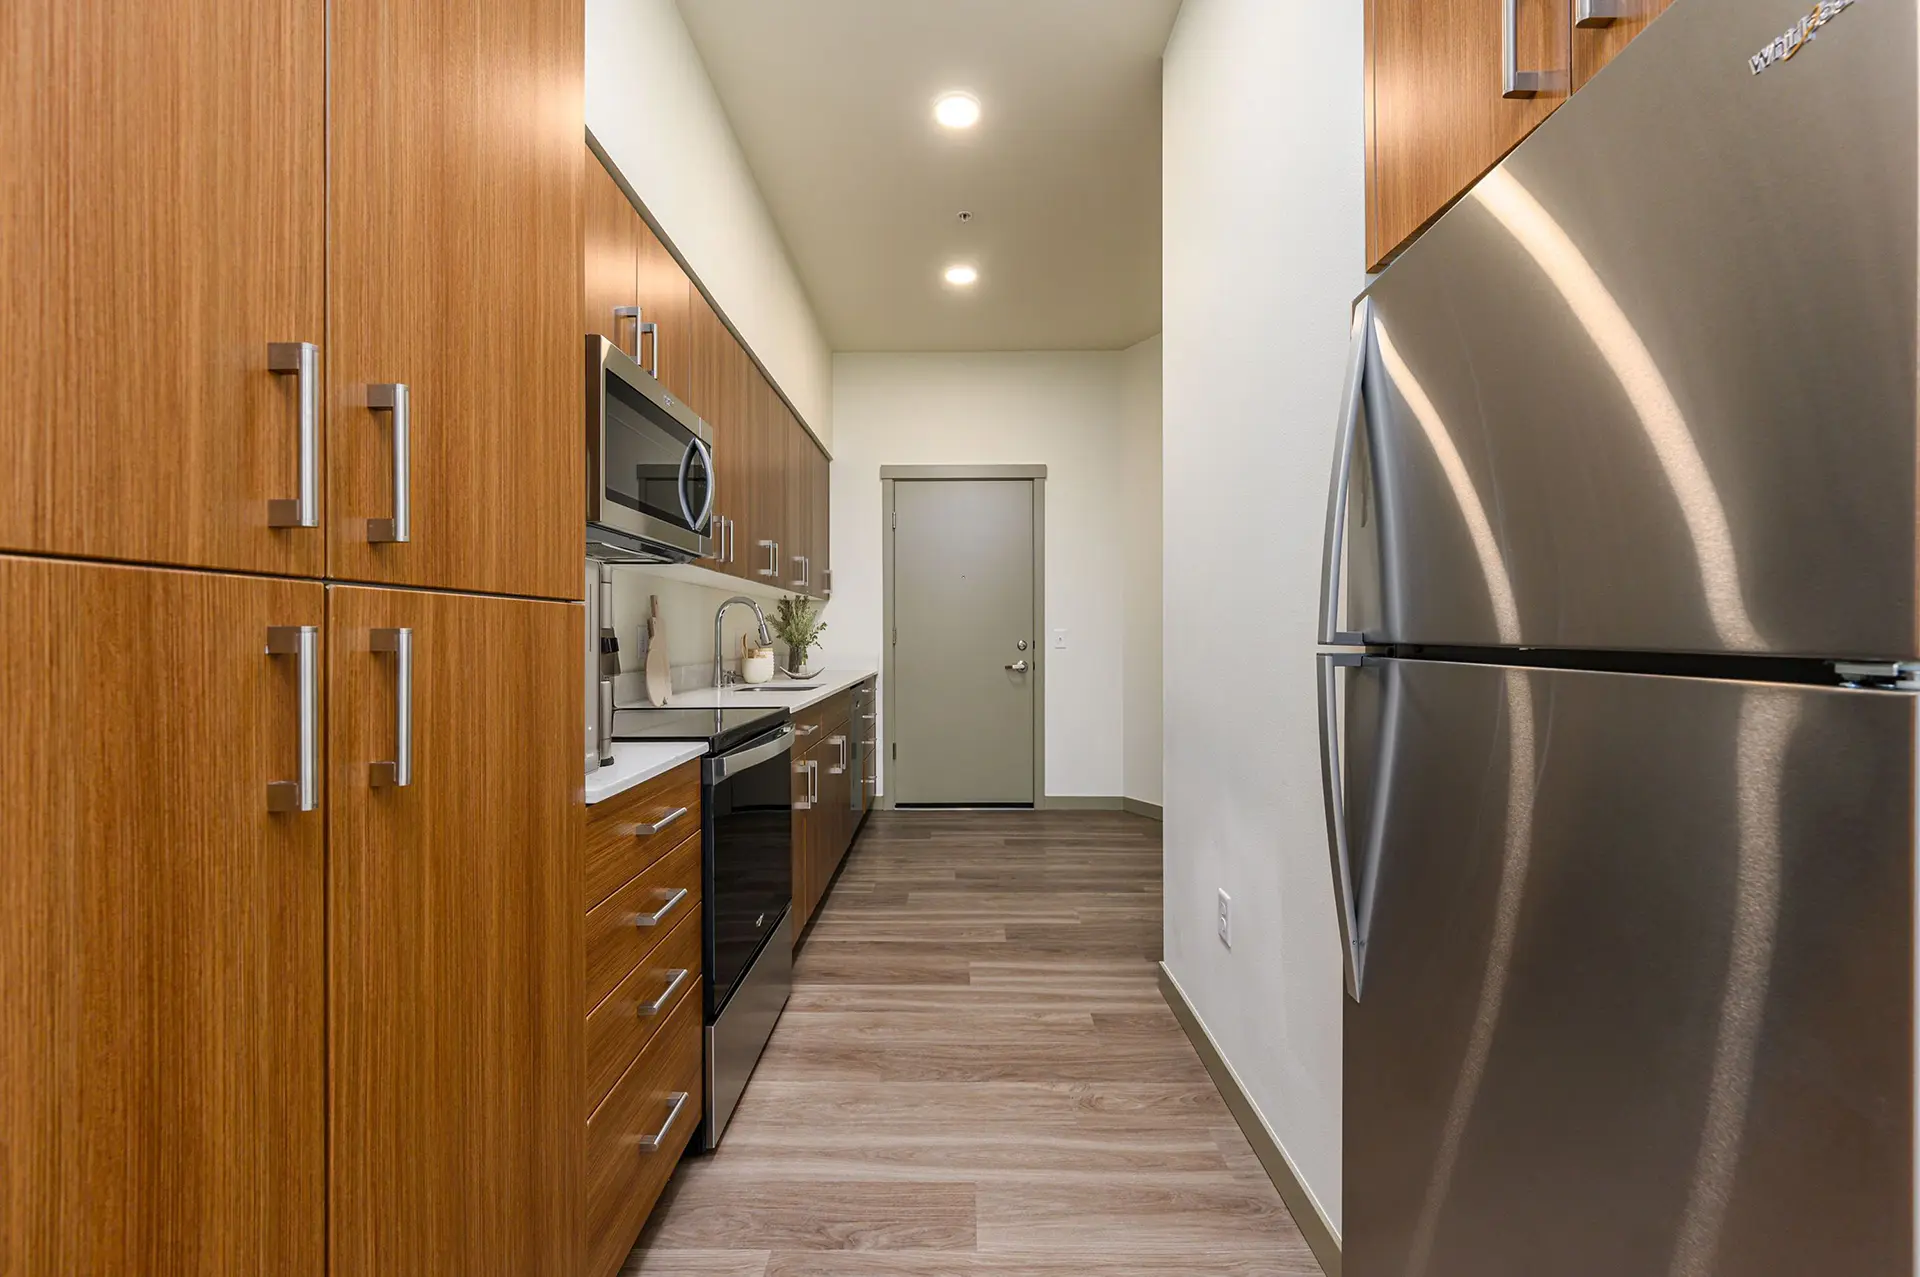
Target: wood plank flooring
(977, 1077)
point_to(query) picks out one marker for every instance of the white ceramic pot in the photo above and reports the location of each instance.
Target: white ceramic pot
(757, 669)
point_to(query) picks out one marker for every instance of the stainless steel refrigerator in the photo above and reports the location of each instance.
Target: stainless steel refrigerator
(1619, 735)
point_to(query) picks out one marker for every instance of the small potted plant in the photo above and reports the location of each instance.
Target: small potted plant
(798, 623)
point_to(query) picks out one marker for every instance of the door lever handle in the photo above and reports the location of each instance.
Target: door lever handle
(1019, 667)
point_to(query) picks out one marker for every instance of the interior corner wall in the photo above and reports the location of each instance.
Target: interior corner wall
(654, 110)
(1140, 642)
(1264, 219)
(1060, 409)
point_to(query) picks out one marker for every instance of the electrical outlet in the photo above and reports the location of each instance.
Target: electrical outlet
(1226, 919)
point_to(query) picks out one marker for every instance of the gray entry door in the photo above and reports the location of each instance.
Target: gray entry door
(1637, 994)
(962, 723)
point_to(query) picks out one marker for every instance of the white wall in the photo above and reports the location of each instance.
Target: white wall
(688, 600)
(652, 107)
(1264, 221)
(1060, 410)
(1140, 480)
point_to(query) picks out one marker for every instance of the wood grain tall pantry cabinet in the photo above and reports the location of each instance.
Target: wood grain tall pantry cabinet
(291, 290)
(1448, 96)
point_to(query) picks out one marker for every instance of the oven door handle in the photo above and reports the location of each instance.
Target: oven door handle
(718, 769)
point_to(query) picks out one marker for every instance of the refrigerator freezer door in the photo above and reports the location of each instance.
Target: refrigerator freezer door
(1651, 384)
(1639, 976)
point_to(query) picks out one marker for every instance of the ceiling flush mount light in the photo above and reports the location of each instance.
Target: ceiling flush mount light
(957, 110)
(962, 276)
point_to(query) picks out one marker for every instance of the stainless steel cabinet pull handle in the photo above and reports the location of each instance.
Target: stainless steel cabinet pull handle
(1604, 13)
(303, 642)
(653, 1142)
(813, 781)
(1332, 794)
(302, 359)
(1019, 667)
(640, 329)
(399, 772)
(1333, 545)
(773, 558)
(655, 1007)
(801, 769)
(653, 919)
(841, 743)
(396, 398)
(1516, 83)
(806, 729)
(647, 831)
(800, 582)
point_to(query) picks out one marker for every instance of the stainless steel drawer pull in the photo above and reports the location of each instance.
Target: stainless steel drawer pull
(301, 359)
(654, 919)
(1604, 13)
(806, 729)
(659, 1004)
(396, 398)
(653, 1142)
(399, 772)
(303, 642)
(1516, 83)
(647, 831)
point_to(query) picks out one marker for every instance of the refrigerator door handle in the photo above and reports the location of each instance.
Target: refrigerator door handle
(1333, 546)
(1332, 793)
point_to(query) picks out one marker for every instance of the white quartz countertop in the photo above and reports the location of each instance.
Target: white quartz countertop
(638, 761)
(782, 692)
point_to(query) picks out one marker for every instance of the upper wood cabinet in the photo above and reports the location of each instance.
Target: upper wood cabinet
(665, 301)
(770, 488)
(165, 223)
(455, 352)
(455, 934)
(610, 259)
(1436, 115)
(822, 477)
(1600, 40)
(163, 1018)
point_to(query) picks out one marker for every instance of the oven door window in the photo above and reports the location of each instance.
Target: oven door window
(653, 464)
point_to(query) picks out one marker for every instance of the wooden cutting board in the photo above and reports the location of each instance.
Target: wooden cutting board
(659, 671)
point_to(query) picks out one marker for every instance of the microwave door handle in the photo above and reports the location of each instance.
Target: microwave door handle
(1333, 545)
(698, 447)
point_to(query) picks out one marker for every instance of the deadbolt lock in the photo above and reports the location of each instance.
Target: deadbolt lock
(1022, 645)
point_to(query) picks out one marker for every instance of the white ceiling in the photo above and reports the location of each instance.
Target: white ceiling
(832, 101)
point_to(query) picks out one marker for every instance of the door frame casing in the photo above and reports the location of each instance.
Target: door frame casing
(1037, 477)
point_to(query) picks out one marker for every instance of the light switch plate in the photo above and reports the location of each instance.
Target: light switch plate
(1059, 640)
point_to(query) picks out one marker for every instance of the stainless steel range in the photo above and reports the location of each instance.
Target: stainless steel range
(747, 855)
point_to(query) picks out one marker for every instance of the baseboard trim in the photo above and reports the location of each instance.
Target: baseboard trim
(1152, 811)
(1079, 802)
(1320, 1235)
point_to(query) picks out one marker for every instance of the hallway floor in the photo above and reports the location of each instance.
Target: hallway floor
(977, 1077)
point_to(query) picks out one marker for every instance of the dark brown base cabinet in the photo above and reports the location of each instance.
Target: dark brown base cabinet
(832, 788)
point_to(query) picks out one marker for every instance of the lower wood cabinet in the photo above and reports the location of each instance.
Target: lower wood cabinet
(455, 831)
(829, 797)
(642, 1098)
(163, 959)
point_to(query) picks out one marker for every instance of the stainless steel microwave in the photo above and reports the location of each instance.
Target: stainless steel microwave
(649, 465)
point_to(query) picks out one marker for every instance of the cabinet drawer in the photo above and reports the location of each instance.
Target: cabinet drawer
(622, 1025)
(835, 712)
(616, 942)
(618, 846)
(626, 1169)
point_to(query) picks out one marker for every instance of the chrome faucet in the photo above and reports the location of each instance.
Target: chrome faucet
(721, 677)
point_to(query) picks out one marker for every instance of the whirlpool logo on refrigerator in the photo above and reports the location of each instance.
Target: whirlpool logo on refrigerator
(1798, 36)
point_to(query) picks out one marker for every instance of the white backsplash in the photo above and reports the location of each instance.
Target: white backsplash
(686, 614)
